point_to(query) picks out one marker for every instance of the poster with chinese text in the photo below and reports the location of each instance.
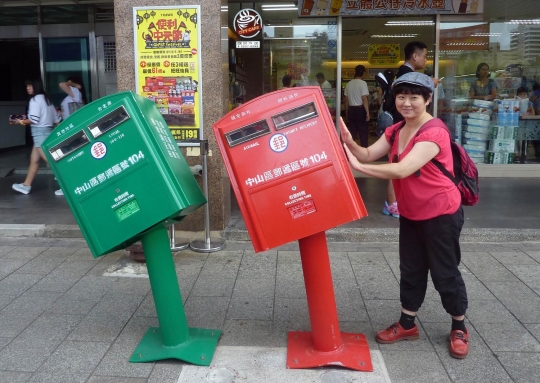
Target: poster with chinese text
(168, 66)
(383, 54)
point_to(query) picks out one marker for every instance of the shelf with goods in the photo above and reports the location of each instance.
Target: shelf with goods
(493, 133)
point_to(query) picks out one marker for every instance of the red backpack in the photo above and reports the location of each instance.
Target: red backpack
(465, 172)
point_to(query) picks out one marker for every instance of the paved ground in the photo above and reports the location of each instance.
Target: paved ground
(64, 318)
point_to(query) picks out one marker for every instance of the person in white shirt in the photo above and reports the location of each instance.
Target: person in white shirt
(74, 88)
(41, 117)
(357, 106)
(322, 82)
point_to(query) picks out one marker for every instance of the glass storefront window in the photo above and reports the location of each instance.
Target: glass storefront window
(13, 16)
(487, 67)
(65, 14)
(378, 44)
(66, 57)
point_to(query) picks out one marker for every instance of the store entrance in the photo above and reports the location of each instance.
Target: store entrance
(19, 62)
(378, 44)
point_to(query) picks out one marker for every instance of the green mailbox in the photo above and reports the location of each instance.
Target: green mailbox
(121, 171)
(125, 179)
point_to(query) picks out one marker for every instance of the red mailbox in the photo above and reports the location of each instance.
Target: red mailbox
(287, 167)
(293, 182)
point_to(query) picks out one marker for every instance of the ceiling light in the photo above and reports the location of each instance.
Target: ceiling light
(290, 38)
(536, 21)
(278, 6)
(280, 9)
(415, 23)
(468, 44)
(394, 36)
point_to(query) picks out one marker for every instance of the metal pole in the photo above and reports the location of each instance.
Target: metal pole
(173, 338)
(325, 345)
(183, 243)
(208, 245)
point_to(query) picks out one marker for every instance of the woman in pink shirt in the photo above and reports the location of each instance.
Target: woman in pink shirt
(431, 216)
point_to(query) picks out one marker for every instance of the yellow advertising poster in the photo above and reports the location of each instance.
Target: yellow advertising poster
(383, 54)
(168, 65)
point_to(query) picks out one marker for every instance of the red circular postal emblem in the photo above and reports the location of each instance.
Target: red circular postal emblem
(247, 23)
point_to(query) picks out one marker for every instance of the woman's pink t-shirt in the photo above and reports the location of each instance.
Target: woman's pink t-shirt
(432, 193)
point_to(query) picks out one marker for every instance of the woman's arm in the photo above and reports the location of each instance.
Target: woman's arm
(25, 121)
(494, 91)
(421, 154)
(66, 87)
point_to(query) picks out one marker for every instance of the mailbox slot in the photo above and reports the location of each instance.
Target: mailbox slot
(108, 122)
(69, 145)
(294, 116)
(247, 133)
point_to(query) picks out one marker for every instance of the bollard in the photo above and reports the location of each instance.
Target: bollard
(208, 245)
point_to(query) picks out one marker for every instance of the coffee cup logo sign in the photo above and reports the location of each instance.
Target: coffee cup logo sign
(247, 23)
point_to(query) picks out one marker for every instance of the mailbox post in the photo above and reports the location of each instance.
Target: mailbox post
(292, 182)
(125, 180)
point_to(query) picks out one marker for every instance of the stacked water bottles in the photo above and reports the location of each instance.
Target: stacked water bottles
(503, 133)
(475, 129)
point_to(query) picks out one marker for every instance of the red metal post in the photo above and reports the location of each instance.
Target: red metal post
(325, 345)
(320, 293)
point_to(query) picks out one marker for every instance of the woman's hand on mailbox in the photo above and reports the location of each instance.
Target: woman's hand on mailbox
(355, 164)
(346, 136)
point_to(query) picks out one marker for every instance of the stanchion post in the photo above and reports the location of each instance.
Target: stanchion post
(177, 245)
(208, 245)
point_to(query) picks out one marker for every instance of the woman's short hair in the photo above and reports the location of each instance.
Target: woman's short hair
(480, 67)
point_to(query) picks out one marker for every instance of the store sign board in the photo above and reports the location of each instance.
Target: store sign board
(168, 66)
(383, 54)
(248, 44)
(475, 38)
(388, 7)
(247, 23)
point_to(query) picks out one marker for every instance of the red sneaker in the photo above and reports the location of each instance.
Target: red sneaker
(396, 333)
(459, 344)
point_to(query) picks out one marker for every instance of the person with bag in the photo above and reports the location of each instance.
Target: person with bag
(431, 215)
(41, 117)
(75, 99)
(76, 95)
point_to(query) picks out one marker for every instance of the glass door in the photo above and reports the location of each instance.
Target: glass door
(65, 57)
(378, 43)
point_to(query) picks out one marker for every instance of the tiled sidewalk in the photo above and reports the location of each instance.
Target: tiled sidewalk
(62, 319)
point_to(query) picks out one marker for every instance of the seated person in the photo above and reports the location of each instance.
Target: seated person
(484, 88)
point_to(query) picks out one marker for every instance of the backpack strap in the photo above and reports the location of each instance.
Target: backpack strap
(428, 125)
(397, 128)
(431, 124)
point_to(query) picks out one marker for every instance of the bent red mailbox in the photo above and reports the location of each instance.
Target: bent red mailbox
(287, 167)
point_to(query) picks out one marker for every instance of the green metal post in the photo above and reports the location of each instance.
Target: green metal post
(173, 338)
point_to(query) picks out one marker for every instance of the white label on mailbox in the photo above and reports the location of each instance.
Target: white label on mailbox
(98, 150)
(278, 142)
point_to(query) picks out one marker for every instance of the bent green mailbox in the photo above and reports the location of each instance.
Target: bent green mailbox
(125, 179)
(121, 170)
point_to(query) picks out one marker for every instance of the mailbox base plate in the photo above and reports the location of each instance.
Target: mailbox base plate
(353, 354)
(197, 349)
